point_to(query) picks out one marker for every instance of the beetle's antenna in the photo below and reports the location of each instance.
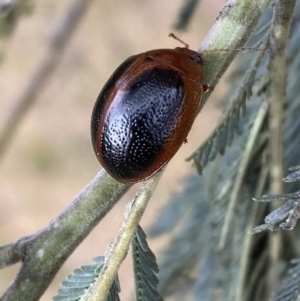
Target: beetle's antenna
(172, 35)
(177, 39)
(234, 49)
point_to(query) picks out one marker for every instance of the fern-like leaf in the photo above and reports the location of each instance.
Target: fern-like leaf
(293, 176)
(284, 217)
(223, 135)
(193, 266)
(145, 268)
(78, 285)
(290, 287)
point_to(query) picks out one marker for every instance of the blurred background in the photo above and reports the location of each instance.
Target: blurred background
(51, 159)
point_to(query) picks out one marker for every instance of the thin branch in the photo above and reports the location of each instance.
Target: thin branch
(44, 252)
(36, 84)
(119, 249)
(256, 214)
(279, 35)
(278, 39)
(14, 252)
(241, 172)
(237, 20)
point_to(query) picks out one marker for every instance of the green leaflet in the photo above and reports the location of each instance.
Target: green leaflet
(78, 285)
(145, 269)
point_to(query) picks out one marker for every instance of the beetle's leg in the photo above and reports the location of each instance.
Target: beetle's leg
(207, 87)
(185, 141)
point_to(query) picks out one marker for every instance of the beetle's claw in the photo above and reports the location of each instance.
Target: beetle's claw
(207, 87)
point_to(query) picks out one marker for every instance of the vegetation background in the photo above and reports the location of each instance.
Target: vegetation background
(210, 255)
(51, 158)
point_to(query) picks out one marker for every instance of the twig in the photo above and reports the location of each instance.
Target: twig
(236, 20)
(118, 250)
(14, 252)
(44, 252)
(241, 172)
(255, 214)
(278, 40)
(283, 13)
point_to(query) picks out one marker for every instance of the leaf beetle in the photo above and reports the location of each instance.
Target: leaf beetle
(145, 111)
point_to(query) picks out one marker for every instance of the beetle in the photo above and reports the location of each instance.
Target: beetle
(145, 111)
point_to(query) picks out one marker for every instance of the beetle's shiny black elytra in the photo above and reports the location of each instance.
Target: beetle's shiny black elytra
(145, 111)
